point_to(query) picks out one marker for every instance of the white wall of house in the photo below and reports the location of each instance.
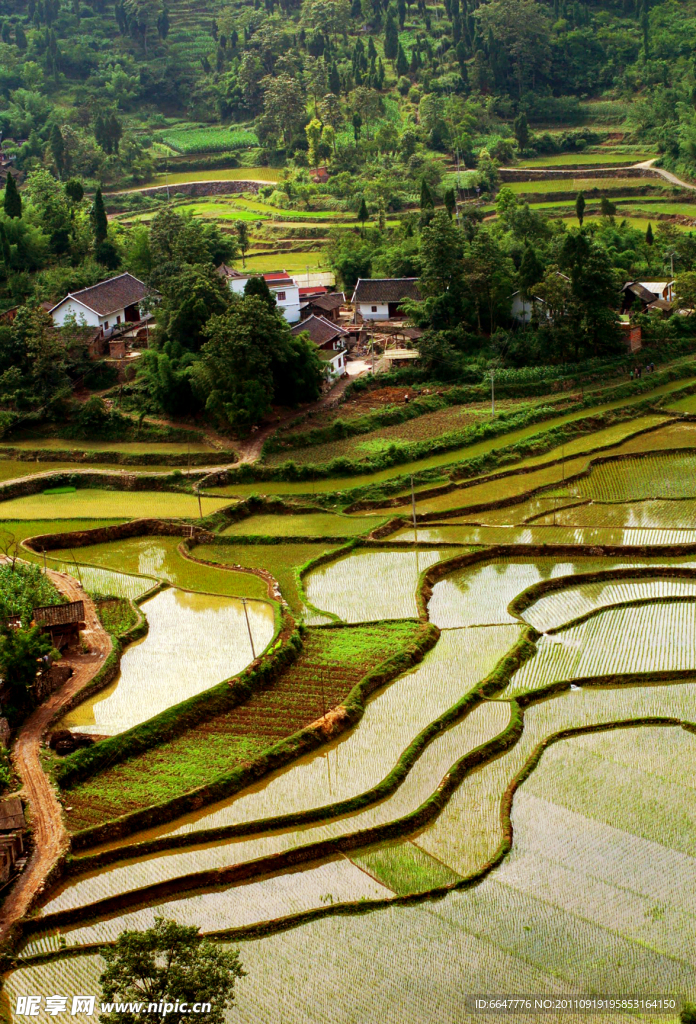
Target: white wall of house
(286, 296)
(337, 364)
(83, 314)
(521, 309)
(374, 310)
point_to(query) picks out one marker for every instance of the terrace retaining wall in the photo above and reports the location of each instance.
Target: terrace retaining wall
(219, 187)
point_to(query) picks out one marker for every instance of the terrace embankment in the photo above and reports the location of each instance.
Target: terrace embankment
(49, 833)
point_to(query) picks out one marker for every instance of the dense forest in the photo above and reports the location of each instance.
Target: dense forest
(412, 108)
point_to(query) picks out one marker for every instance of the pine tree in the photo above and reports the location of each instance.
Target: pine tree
(371, 51)
(100, 225)
(450, 202)
(334, 80)
(401, 8)
(649, 237)
(20, 37)
(363, 214)
(114, 132)
(401, 62)
(580, 207)
(391, 37)
(58, 149)
(12, 203)
(426, 197)
(521, 129)
(4, 246)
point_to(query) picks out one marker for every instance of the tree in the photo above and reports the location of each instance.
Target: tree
(580, 207)
(521, 130)
(531, 271)
(313, 133)
(521, 30)
(257, 286)
(607, 208)
(57, 143)
(334, 79)
(168, 965)
(74, 190)
(649, 237)
(20, 37)
(391, 36)
(249, 359)
(12, 201)
(363, 214)
(100, 224)
(402, 65)
(143, 17)
(331, 17)
(686, 291)
(243, 239)
(688, 1014)
(427, 203)
(20, 651)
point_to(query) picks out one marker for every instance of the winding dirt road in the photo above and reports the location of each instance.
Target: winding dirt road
(44, 810)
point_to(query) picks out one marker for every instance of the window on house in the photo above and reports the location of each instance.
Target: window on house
(118, 319)
(106, 323)
(280, 296)
(374, 309)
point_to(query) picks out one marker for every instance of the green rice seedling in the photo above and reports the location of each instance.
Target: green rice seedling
(554, 609)
(330, 664)
(185, 629)
(485, 722)
(630, 515)
(359, 759)
(281, 560)
(159, 557)
(128, 447)
(369, 585)
(303, 524)
(334, 881)
(657, 476)
(105, 581)
(405, 868)
(654, 638)
(92, 503)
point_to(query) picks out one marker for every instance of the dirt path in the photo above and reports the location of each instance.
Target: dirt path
(45, 812)
(250, 451)
(667, 175)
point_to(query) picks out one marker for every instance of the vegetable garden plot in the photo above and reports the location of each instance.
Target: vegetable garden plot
(655, 476)
(485, 722)
(160, 557)
(369, 585)
(308, 524)
(332, 662)
(335, 881)
(193, 642)
(554, 609)
(92, 504)
(647, 638)
(468, 831)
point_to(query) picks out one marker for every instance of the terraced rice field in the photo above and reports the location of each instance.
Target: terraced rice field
(537, 763)
(94, 504)
(185, 629)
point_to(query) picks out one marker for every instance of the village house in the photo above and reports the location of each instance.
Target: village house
(330, 339)
(380, 298)
(641, 296)
(105, 305)
(322, 303)
(281, 285)
(12, 825)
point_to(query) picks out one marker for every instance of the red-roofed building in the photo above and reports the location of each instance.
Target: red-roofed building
(287, 293)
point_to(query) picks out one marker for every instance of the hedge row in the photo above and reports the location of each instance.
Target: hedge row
(116, 457)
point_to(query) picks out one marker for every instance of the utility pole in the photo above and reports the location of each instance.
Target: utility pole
(492, 392)
(413, 509)
(251, 639)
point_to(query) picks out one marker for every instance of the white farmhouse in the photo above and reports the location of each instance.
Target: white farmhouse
(281, 285)
(104, 305)
(330, 339)
(380, 298)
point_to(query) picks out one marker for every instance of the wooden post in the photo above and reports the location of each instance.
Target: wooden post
(251, 639)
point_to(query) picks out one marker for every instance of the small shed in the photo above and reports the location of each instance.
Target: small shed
(11, 814)
(62, 621)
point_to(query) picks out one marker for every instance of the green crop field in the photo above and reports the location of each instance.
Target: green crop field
(270, 174)
(597, 159)
(575, 185)
(208, 140)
